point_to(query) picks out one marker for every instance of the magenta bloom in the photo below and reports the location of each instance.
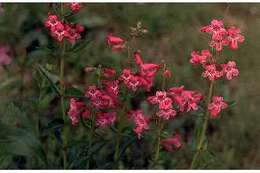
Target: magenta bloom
(166, 113)
(105, 119)
(75, 110)
(113, 40)
(230, 70)
(216, 105)
(172, 144)
(141, 122)
(5, 59)
(138, 59)
(109, 72)
(186, 100)
(75, 7)
(211, 72)
(60, 31)
(196, 58)
(234, 37)
(165, 103)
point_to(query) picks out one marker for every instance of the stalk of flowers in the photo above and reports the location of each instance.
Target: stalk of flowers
(64, 32)
(214, 70)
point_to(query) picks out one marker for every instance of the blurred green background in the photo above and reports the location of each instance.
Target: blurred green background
(173, 34)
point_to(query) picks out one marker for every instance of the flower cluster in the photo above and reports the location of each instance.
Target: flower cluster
(143, 78)
(74, 7)
(77, 109)
(216, 106)
(60, 30)
(220, 36)
(102, 99)
(141, 121)
(176, 99)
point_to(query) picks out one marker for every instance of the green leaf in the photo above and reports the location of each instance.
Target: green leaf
(19, 141)
(55, 124)
(51, 78)
(73, 92)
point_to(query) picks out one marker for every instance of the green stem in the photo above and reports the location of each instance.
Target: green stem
(119, 135)
(158, 142)
(62, 90)
(204, 129)
(92, 130)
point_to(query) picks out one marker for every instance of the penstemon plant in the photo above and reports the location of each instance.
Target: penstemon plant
(105, 105)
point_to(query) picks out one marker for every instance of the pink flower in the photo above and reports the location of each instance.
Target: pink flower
(109, 72)
(186, 100)
(113, 40)
(165, 104)
(216, 29)
(105, 119)
(118, 47)
(172, 144)
(89, 69)
(166, 113)
(51, 21)
(149, 70)
(101, 99)
(58, 32)
(196, 58)
(92, 92)
(211, 72)
(75, 109)
(5, 59)
(111, 87)
(159, 97)
(86, 114)
(75, 7)
(230, 70)
(138, 58)
(71, 34)
(234, 37)
(216, 105)
(141, 122)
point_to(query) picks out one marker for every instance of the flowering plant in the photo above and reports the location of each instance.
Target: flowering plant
(99, 123)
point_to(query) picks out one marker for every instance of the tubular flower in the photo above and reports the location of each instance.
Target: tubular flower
(165, 103)
(230, 70)
(186, 100)
(172, 144)
(202, 59)
(220, 36)
(60, 31)
(105, 119)
(109, 72)
(75, 109)
(117, 43)
(216, 105)
(143, 78)
(100, 99)
(234, 37)
(141, 122)
(211, 72)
